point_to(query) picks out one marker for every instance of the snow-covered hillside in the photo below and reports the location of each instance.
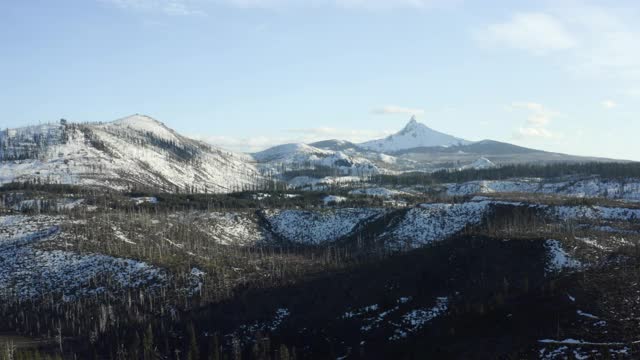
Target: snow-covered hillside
(131, 152)
(433, 222)
(29, 272)
(481, 163)
(628, 190)
(301, 156)
(227, 228)
(295, 152)
(413, 135)
(316, 227)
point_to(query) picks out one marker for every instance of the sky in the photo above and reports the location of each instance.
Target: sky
(248, 74)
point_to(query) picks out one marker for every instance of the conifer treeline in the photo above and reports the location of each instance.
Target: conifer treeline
(613, 170)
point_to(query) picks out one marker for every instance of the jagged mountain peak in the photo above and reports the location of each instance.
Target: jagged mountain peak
(413, 135)
(413, 126)
(412, 122)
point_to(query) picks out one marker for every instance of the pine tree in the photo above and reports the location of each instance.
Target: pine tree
(193, 353)
(147, 343)
(214, 350)
(284, 352)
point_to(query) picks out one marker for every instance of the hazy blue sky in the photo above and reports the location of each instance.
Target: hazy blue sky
(245, 74)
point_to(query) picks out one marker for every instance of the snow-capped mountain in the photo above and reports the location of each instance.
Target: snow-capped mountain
(302, 156)
(413, 135)
(136, 151)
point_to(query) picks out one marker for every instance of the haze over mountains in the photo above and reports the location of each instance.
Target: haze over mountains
(141, 151)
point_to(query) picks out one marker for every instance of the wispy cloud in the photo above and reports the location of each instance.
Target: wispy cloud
(588, 41)
(538, 33)
(537, 122)
(609, 104)
(392, 109)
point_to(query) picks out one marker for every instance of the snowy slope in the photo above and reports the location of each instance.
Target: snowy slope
(413, 135)
(227, 228)
(432, 222)
(29, 272)
(303, 156)
(316, 227)
(129, 152)
(295, 152)
(627, 190)
(481, 163)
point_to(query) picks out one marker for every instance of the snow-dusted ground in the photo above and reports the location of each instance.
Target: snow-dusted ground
(233, 228)
(226, 228)
(416, 319)
(596, 213)
(315, 227)
(628, 190)
(481, 163)
(432, 222)
(30, 272)
(302, 182)
(377, 191)
(412, 319)
(37, 205)
(145, 199)
(583, 350)
(333, 199)
(246, 333)
(558, 259)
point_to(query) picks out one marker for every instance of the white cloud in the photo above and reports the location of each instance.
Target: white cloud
(588, 41)
(611, 47)
(392, 109)
(609, 104)
(537, 33)
(534, 132)
(537, 122)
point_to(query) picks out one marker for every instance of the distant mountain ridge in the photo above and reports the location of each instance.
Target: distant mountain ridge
(417, 148)
(133, 152)
(139, 152)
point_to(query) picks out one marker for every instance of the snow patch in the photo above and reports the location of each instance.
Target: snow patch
(558, 259)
